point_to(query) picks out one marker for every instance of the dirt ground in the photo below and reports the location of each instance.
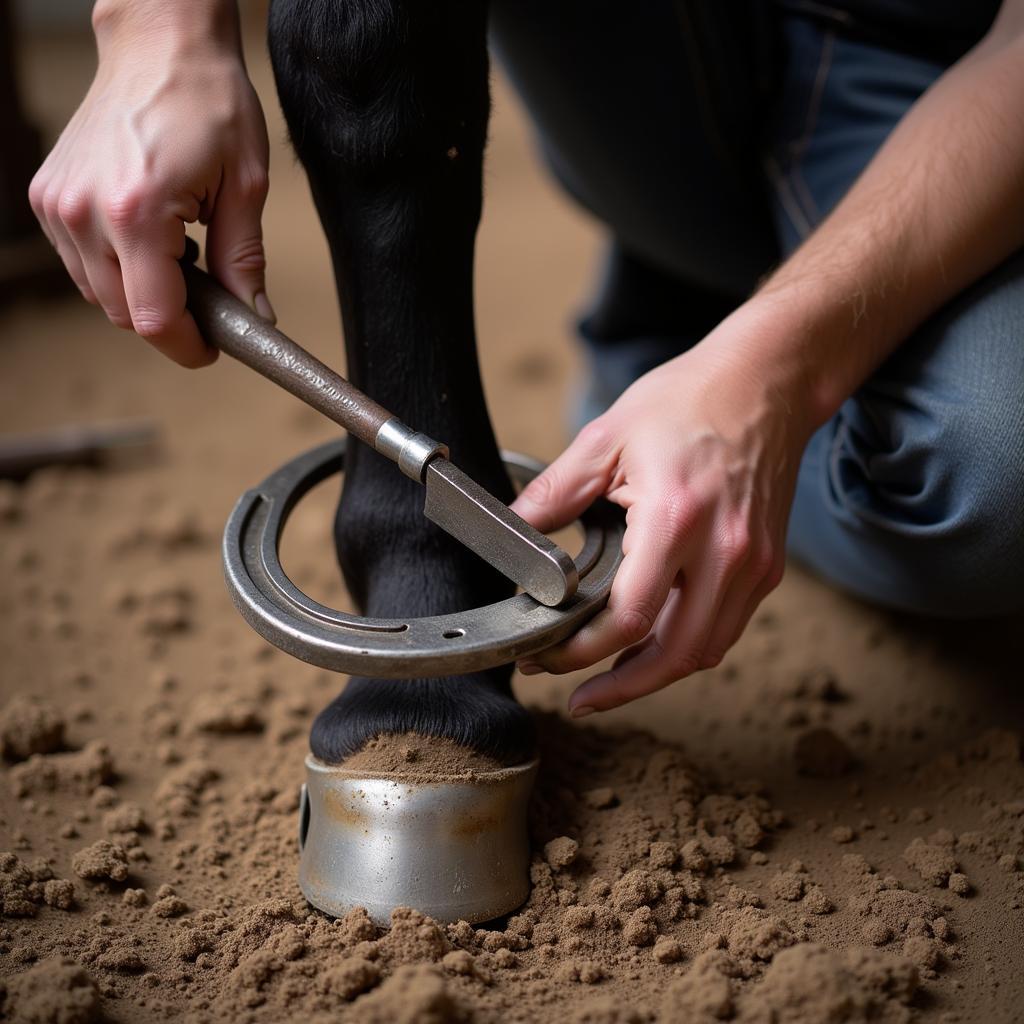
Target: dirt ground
(828, 827)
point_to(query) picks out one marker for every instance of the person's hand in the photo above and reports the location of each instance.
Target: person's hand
(703, 453)
(167, 135)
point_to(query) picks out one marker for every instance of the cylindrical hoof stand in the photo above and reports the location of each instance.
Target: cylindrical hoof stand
(455, 848)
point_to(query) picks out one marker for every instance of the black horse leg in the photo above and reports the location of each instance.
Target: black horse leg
(387, 105)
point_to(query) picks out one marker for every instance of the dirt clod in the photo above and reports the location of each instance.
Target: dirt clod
(52, 992)
(102, 860)
(30, 726)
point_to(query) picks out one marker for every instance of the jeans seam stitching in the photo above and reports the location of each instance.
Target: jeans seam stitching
(799, 185)
(702, 86)
(789, 202)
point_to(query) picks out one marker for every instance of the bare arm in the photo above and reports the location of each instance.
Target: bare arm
(940, 205)
(169, 133)
(703, 452)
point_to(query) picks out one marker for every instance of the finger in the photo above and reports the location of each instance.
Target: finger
(45, 201)
(573, 482)
(73, 263)
(155, 290)
(105, 279)
(36, 199)
(234, 241)
(736, 606)
(760, 592)
(97, 260)
(638, 671)
(653, 551)
(673, 651)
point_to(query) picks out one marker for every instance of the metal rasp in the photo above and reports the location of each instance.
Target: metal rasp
(455, 502)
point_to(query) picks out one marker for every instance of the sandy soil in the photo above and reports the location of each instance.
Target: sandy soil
(826, 828)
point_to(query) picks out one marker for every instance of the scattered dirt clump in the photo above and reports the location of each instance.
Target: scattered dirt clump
(933, 863)
(561, 852)
(30, 726)
(79, 771)
(52, 992)
(706, 992)
(102, 860)
(25, 887)
(227, 713)
(809, 983)
(414, 994)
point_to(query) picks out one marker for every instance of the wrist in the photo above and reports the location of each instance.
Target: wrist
(184, 27)
(807, 332)
(773, 341)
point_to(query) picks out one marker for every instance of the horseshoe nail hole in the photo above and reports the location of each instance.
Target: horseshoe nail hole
(453, 634)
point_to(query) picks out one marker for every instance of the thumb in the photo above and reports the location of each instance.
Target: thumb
(234, 240)
(574, 481)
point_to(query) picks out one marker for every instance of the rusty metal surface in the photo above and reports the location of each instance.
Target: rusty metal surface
(437, 645)
(455, 848)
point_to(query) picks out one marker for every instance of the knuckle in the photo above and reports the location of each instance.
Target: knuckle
(126, 208)
(685, 665)
(36, 191)
(149, 323)
(248, 254)
(117, 316)
(596, 436)
(775, 574)
(51, 203)
(736, 545)
(677, 511)
(254, 184)
(121, 320)
(541, 489)
(634, 623)
(74, 210)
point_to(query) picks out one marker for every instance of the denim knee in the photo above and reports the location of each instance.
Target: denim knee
(913, 495)
(934, 526)
(968, 546)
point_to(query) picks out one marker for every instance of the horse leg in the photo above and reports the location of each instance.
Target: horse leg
(387, 105)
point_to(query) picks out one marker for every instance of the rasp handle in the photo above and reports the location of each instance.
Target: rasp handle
(231, 326)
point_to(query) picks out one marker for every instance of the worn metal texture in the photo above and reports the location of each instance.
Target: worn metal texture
(438, 645)
(455, 848)
(493, 531)
(231, 326)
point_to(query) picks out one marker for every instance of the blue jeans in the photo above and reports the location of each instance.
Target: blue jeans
(710, 150)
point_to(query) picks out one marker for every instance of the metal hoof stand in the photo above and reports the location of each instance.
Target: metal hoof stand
(456, 847)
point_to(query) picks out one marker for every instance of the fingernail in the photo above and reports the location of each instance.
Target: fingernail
(582, 711)
(263, 307)
(529, 668)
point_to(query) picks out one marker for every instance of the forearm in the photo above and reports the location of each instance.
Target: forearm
(193, 25)
(940, 205)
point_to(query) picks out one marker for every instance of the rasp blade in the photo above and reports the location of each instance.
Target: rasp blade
(461, 507)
